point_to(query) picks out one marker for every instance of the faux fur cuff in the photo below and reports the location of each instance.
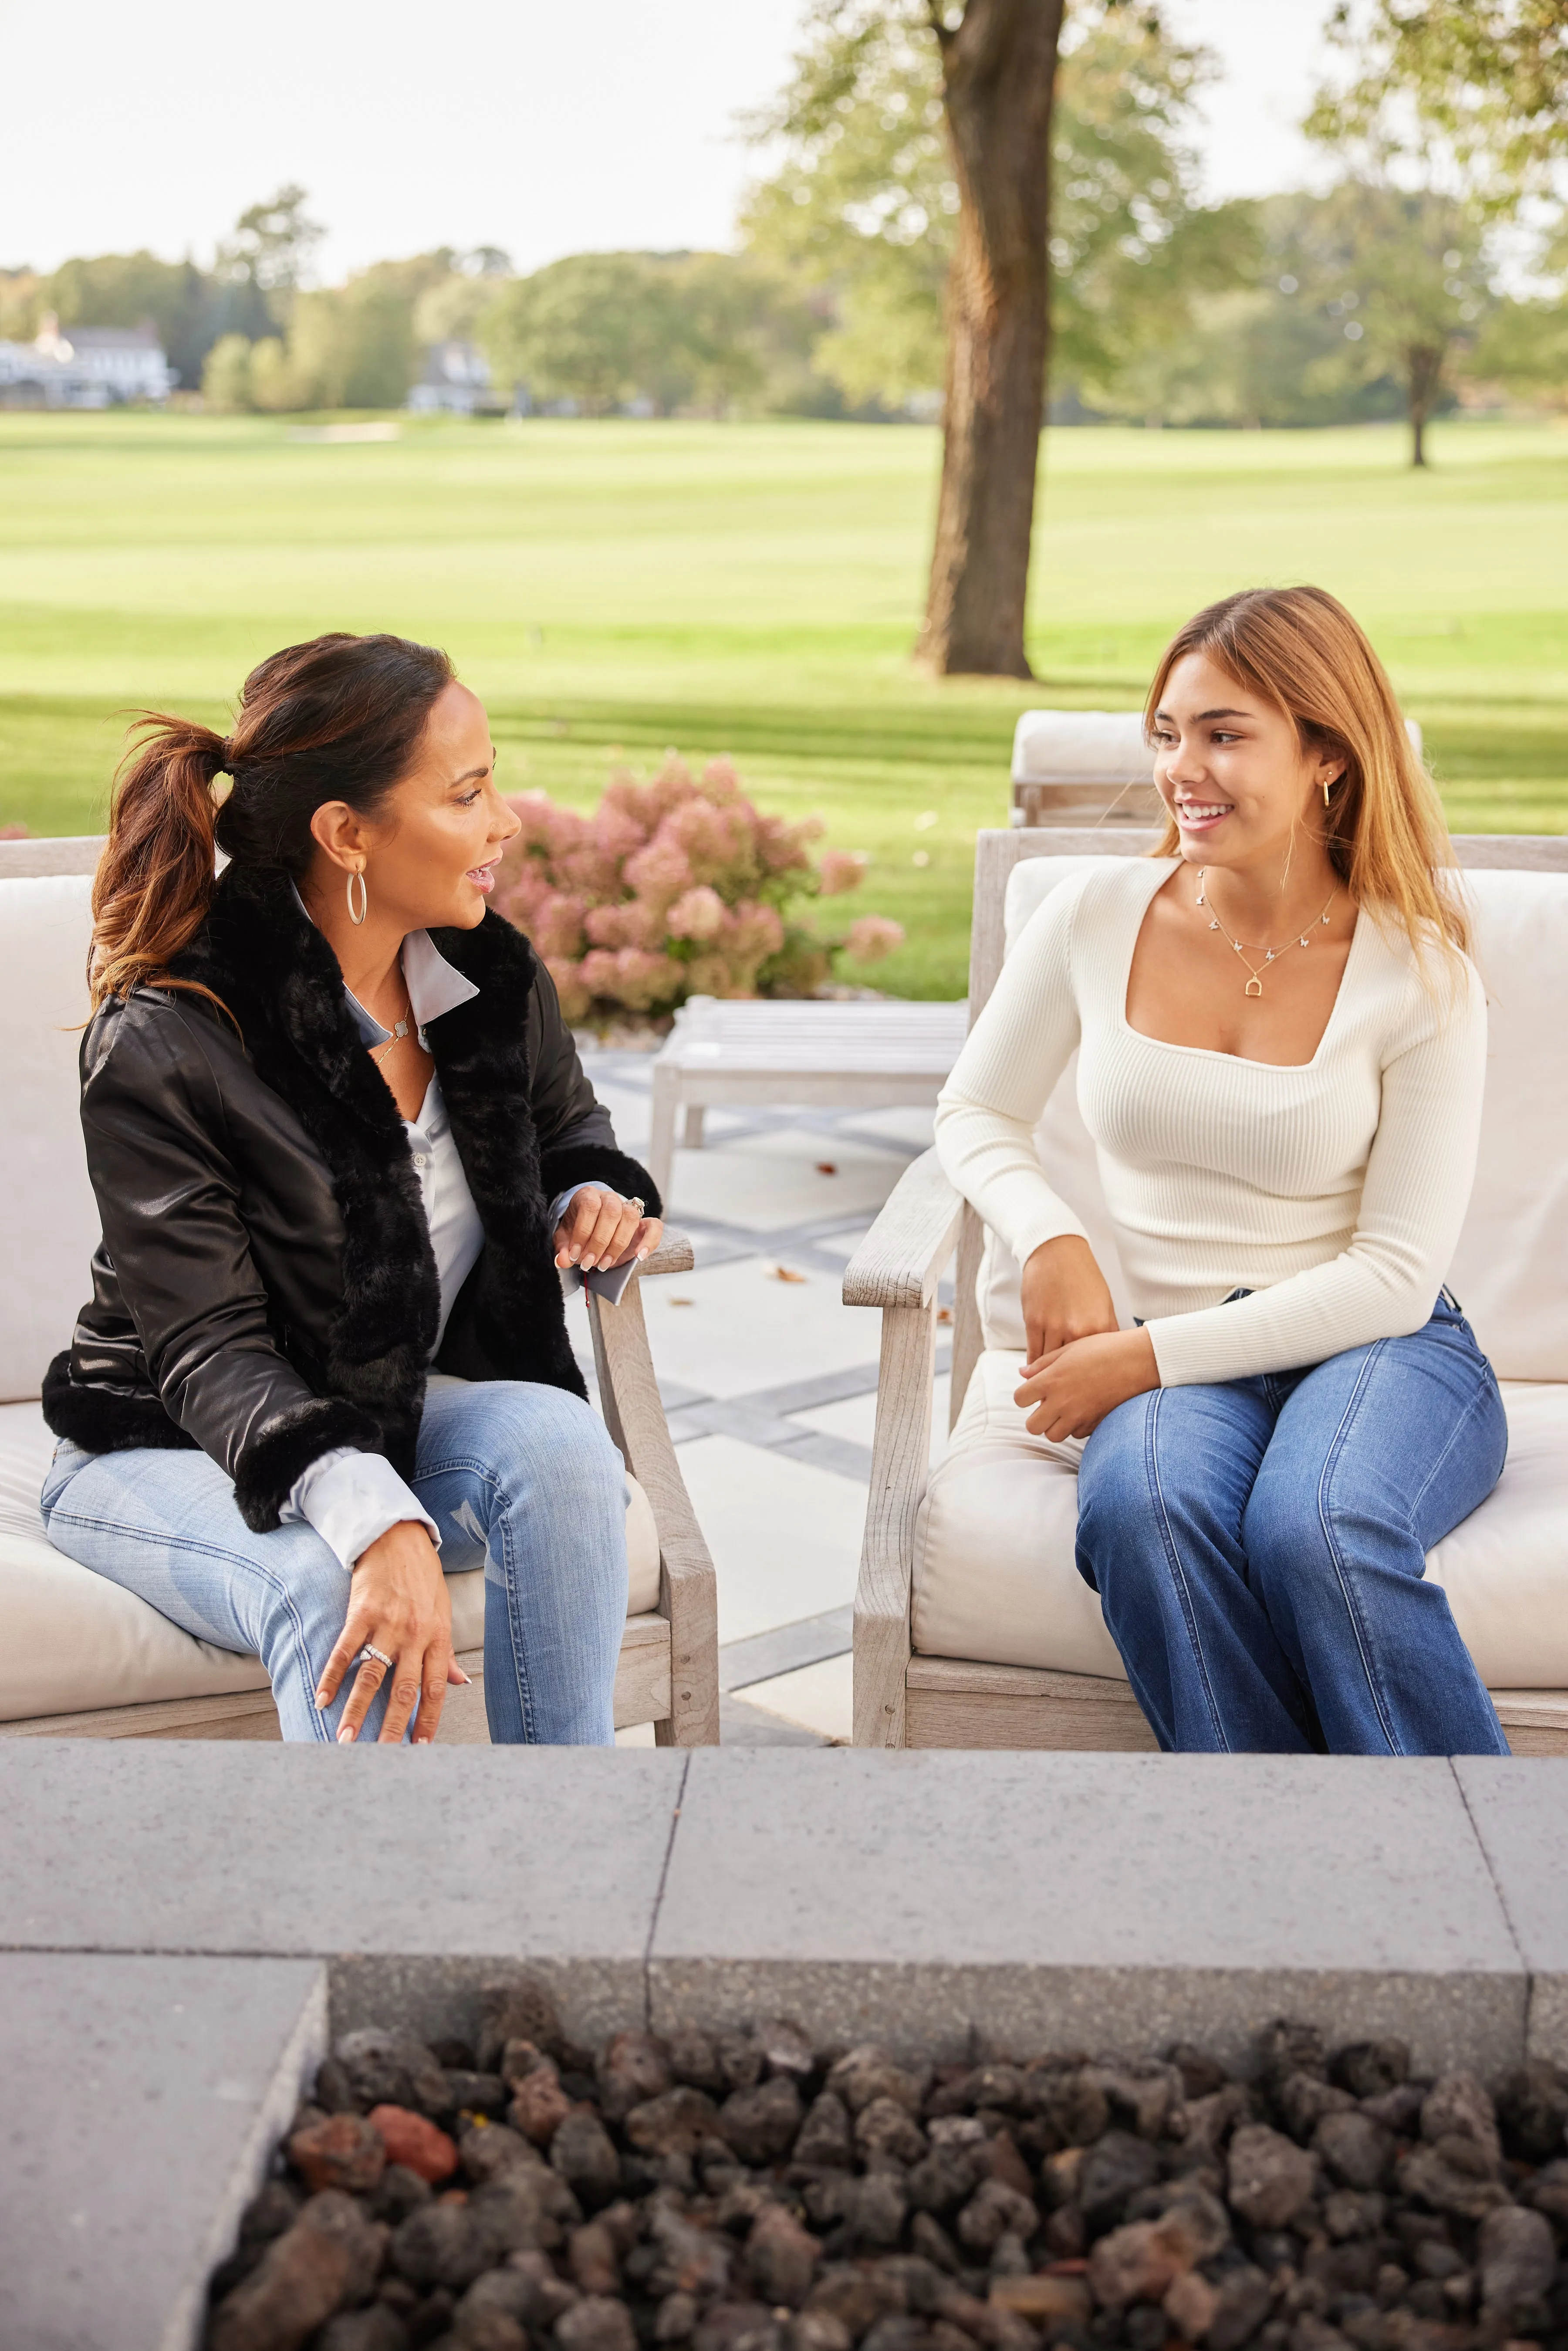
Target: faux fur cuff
(107, 1420)
(265, 1472)
(598, 1162)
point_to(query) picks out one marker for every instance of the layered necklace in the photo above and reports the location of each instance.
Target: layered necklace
(1270, 955)
(378, 1053)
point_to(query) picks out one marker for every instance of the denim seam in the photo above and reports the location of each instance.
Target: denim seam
(216, 1551)
(1341, 1437)
(1454, 1434)
(503, 1521)
(1178, 1574)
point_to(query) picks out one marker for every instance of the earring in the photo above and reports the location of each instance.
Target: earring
(1326, 794)
(364, 897)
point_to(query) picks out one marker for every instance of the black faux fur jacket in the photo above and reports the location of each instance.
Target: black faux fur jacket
(265, 1287)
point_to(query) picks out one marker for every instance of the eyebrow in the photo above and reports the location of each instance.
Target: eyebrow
(1204, 715)
(469, 772)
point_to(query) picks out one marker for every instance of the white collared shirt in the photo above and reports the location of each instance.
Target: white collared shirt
(349, 1496)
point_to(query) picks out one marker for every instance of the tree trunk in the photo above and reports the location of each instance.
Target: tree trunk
(998, 70)
(1423, 373)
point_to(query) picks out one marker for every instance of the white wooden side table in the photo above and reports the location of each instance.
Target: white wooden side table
(878, 1054)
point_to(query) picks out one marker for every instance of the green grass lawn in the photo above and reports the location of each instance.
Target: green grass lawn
(615, 588)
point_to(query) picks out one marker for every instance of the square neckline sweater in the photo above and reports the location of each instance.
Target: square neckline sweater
(1334, 1189)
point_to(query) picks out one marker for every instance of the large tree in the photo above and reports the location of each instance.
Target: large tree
(1489, 77)
(961, 228)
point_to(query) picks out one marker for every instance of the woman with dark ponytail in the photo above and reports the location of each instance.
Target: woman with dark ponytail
(341, 1142)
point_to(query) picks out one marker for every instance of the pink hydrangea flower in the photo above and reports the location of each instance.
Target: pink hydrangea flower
(840, 870)
(698, 914)
(872, 937)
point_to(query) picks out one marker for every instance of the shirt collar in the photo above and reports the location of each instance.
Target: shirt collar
(435, 986)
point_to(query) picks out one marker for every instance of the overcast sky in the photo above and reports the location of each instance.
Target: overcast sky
(543, 129)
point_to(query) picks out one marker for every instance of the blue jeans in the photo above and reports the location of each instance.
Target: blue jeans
(521, 1479)
(1258, 1548)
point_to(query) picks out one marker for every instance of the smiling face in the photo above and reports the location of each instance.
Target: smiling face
(1230, 769)
(430, 852)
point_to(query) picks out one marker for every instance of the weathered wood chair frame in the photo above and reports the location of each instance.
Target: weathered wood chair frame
(668, 1673)
(902, 1699)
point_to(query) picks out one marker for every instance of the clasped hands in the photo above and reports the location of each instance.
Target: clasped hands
(1081, 1365)
(399, 1603)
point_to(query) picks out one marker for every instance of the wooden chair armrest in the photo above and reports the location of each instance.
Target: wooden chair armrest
(674, 1255)
(901, 1449)
(688, 1589)
(900, 1261)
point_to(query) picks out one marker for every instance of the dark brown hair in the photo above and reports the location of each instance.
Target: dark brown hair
(337, 719)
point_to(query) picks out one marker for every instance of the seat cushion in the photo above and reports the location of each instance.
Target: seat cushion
(72, 1642)
(995, 1579)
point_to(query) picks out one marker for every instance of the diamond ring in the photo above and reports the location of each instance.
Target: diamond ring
(380, 1656)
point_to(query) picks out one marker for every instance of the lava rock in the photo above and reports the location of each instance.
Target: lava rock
(785, 2048)
(1245, 2301)
(1114, 2169)
(855, 2297)
(676, 2123)
(1201, 2075)
(1452, 2177)
(401, 2191)
(540, 2106)
(887, 2129)
(441, 2244)
(759, 2125)
(582, 2153)
(694, 2059)
(330, 2257)
(869, 2072)
(992, 2211)
(415, 2143)
(492, 2316)
(1532, 2110)
(591, 2254)
(781, 2257)
(596, 2324)
(1270, 2178)
(391, 2069)
(523, 2011)
(1287, 2048)
(1302, 2101)
(634, 2068)
(875, 2210)
(1369, 2069)
(468, 2093)
(1457, 2106)
(374, 2328)
(344, 2151)
(824, 2138)
(739, 2060)
(486, 2149)
(1517, 2257)
(1358, 2152)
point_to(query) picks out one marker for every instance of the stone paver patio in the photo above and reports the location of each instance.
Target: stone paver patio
(770, 1382)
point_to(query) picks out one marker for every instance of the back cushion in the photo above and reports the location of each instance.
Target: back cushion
(1510, 1269)
(52, 1226)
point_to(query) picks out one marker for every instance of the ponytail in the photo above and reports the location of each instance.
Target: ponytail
(155, 880)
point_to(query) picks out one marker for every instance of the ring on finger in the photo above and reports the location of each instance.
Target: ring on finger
(381, 1656)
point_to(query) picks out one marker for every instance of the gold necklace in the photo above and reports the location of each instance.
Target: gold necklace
(379, 1053)
(1269, 955)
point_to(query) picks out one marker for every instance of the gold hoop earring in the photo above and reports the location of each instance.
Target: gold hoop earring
(1330, 779)
(364, 898)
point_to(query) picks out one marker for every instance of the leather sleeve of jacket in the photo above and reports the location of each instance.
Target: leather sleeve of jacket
(169, 1196)
(577, 1140)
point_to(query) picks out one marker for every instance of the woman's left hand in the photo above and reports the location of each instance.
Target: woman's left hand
(602, 1228)
(1073, 1387)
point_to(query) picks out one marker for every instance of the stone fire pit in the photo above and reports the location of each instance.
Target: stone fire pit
(743, 2191)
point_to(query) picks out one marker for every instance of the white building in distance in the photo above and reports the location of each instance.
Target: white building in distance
(84, 367)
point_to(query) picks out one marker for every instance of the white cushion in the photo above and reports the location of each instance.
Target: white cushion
(1094, 746)
(1511, 1268)
(46, 925)
(995, 1578)
(71, 1641)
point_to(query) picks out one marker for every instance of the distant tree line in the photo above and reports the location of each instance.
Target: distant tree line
(1380, 297)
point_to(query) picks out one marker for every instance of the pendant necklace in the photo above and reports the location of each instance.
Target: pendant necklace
(378, 1052)
(1269, 955)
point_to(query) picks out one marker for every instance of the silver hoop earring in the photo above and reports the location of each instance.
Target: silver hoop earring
(364, 898)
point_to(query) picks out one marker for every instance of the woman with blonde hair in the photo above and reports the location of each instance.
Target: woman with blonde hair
(1281, 1051)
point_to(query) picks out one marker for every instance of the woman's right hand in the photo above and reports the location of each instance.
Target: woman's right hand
(398, 1602)
(1065, 1296)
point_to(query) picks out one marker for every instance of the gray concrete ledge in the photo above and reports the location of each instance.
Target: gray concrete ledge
(1014, 1901)
(143, 2099)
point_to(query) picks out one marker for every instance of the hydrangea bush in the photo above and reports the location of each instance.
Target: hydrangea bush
(679, 886)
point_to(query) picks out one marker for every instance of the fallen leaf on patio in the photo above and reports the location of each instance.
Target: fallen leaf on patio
(679, 1302)
(787, 1273)
(826, 1167)
(944, 1314)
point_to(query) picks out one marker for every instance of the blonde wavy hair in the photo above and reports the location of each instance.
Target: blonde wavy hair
(1384, 828)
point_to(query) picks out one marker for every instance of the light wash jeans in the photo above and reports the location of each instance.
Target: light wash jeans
(520, 1478)
(1258, 1548)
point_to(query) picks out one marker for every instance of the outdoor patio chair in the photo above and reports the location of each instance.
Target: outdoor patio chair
(80, 1657)
(973, 1627)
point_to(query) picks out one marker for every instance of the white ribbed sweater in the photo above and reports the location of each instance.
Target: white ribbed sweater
(1333, 1190)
